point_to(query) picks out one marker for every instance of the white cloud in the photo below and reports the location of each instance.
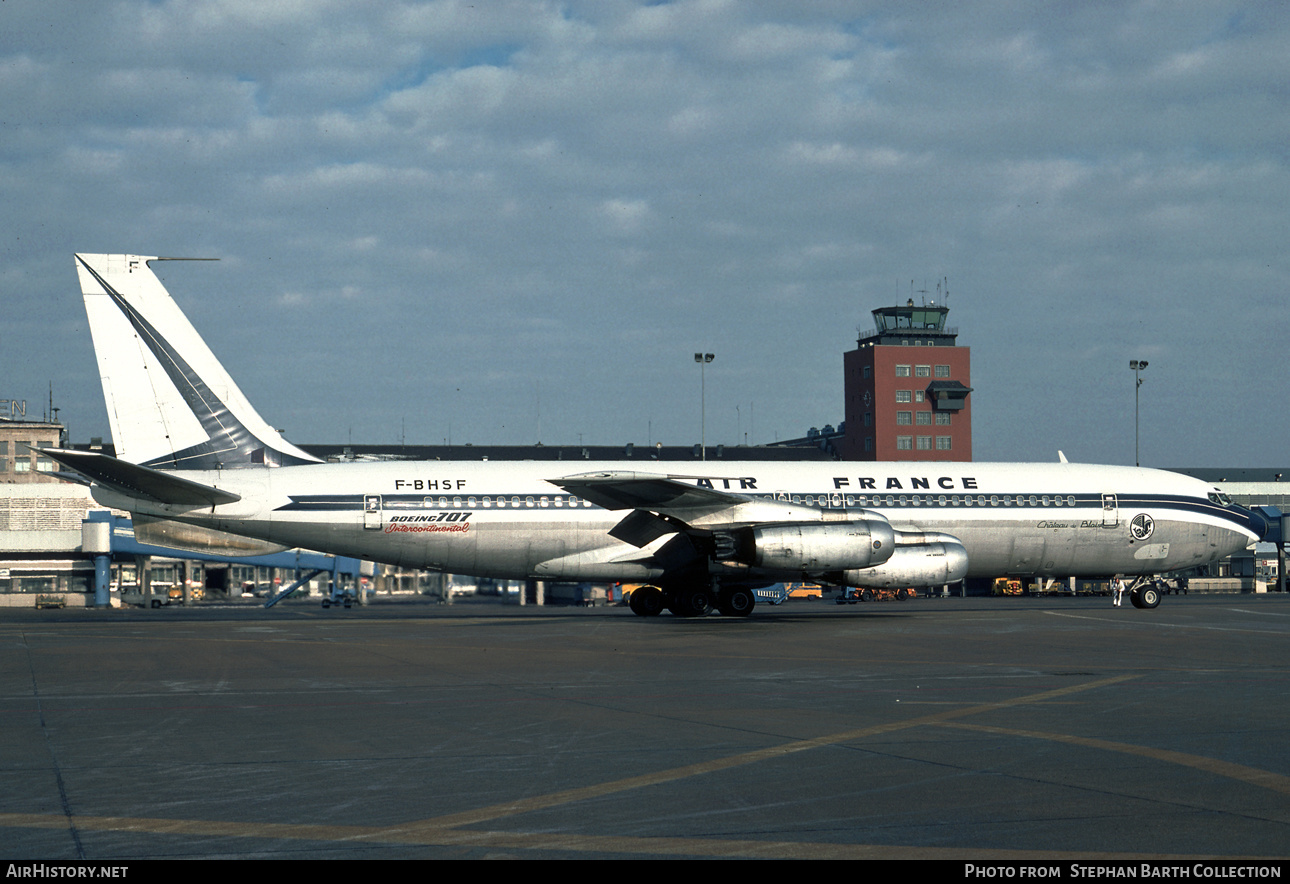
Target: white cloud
(627, 216)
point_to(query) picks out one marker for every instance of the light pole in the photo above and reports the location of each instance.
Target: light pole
(703, 359)
(1137, 365)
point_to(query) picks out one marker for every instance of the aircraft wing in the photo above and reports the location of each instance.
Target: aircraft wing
(134, 480)
(645, 491)
(666, 504)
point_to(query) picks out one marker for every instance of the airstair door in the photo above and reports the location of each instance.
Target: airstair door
(372, 512)
(1110, 511)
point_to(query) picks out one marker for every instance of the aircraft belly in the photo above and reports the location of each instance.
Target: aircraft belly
(520, 550)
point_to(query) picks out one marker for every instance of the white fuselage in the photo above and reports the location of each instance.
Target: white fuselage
(507, 520)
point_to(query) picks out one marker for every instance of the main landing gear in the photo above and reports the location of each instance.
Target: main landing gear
(1144, 592)
(693, 600)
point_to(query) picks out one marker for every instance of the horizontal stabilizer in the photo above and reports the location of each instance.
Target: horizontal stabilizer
(134, 480)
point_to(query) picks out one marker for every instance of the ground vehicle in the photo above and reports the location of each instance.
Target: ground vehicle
(851, 595)
(804, 590)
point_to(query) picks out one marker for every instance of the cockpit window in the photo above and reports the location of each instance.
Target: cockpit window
(1220, 498)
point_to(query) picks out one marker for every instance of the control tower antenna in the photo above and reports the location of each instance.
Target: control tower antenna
(923, 292)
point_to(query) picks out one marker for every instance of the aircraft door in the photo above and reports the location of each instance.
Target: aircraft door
(372, 512)
(1110, 511)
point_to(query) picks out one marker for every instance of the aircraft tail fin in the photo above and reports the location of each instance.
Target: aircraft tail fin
(170, 402)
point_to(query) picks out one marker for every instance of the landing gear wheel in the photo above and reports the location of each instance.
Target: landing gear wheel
(867, 595)
(737, 602)
(1147, 597)
(693, 602)
(646, 601)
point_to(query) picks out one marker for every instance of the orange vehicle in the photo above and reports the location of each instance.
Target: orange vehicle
(804, 590)
(1006, 586)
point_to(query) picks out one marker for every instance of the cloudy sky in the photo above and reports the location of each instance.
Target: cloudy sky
(504, 222)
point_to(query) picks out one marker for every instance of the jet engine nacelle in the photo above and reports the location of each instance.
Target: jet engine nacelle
(938, 560)
(827, 546)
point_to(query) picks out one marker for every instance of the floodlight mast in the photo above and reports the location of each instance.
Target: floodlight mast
(703, 359)
(1137, 365)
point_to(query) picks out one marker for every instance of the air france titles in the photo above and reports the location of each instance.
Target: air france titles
(945, 483)
(746, 483)
(863, 483)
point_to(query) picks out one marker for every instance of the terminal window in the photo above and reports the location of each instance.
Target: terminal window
(904, 443)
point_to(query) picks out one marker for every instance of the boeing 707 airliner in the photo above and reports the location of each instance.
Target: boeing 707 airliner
(190, 448)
